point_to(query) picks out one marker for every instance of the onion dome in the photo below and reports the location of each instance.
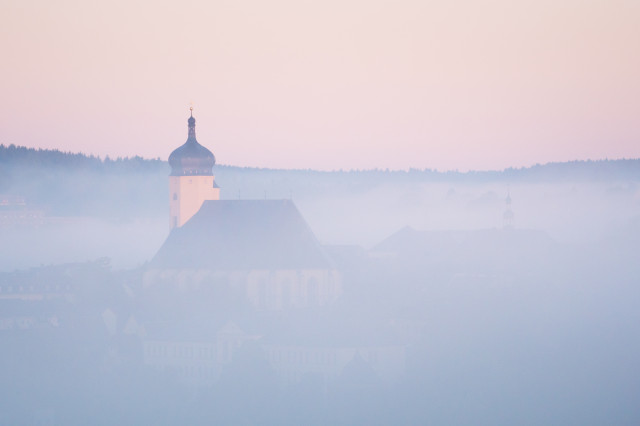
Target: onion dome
(192, 159)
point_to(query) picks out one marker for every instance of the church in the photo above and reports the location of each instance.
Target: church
(237, 273)
(262, 248)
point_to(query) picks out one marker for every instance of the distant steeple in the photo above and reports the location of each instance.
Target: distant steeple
(508, 216)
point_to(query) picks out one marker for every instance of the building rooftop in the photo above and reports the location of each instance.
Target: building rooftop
(243, 235)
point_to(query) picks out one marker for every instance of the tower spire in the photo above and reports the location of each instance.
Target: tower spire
(192, 126)
(508, 215)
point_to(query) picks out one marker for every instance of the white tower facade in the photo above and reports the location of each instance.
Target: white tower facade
(191, 182)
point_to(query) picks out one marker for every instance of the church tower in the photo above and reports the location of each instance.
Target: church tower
(191, 181)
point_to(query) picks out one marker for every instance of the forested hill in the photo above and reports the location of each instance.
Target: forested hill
(19, 157)
(13, 156)
(77, 184)
(71, 184)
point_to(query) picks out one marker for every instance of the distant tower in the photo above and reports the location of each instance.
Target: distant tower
(508, 215)
(191, 181)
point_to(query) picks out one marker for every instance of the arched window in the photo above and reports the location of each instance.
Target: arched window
(175, 196)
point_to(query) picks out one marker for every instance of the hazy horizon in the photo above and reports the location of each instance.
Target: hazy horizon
(104, 158)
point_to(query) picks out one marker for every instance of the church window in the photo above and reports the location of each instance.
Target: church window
(175, 196)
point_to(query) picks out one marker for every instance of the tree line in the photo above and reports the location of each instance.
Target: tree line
(21, 157)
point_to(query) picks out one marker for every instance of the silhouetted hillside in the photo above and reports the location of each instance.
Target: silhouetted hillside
(13, 156)
(75, 184)
(67, 184)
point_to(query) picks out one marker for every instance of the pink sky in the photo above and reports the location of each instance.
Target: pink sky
(326, 84)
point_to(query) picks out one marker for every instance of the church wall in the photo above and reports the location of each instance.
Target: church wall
(295, 288)
(265, 289)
